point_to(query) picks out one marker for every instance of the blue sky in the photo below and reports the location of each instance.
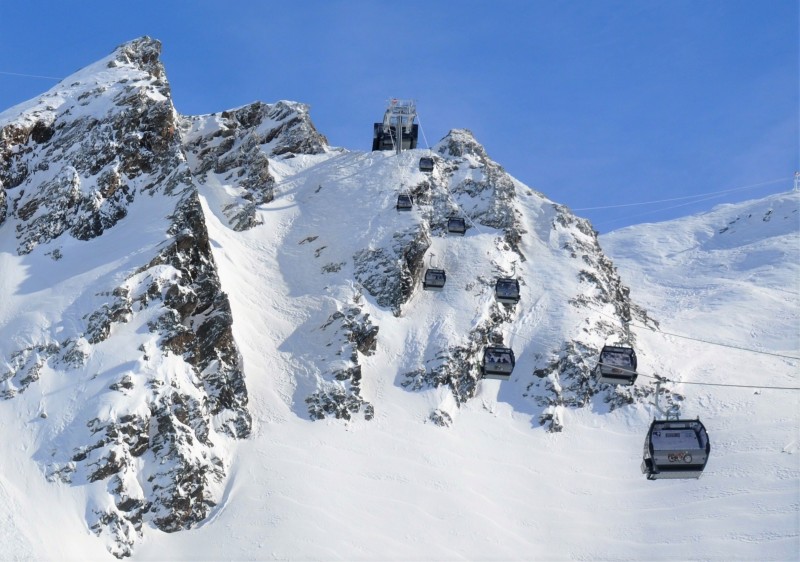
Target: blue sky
(594, 103)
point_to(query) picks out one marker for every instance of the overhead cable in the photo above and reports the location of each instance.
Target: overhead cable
(30, 75)
(695, 196)
(663, 379)
(731, 346)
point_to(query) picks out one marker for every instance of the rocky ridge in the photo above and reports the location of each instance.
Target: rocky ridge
(101, 147)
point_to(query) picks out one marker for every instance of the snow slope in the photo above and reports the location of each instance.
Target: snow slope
(495, 485)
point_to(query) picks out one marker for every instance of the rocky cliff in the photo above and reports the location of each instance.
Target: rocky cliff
(93, 177)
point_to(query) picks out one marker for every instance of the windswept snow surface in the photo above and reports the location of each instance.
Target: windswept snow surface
(495, 485)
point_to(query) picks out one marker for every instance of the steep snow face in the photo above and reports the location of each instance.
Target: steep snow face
(115, 332)
(730, 276)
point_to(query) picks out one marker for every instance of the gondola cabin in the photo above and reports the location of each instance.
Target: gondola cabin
(675, 449)
(404, 202)
(506, 290)
(457, 226)
(617, 365)
(434, 280)
(426, 164)
(498, 363)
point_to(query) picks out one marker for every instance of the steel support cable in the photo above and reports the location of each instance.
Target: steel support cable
(731, 346)
(696, 196)
(427, 146)
(728, 345)
(664, 379)
(395, 143)
(30, 75)
(659, 210)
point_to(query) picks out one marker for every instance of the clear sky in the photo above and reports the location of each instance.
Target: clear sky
(594, 103)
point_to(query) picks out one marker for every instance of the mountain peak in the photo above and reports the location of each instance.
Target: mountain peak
(461, 142)
(142, 53)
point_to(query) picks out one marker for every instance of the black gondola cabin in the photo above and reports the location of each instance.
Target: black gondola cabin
(404, 202)
(675, 449)
(434, 279)
(506, 290)
(456, 225)
(617, 365)
(498, 363)
(426, 164)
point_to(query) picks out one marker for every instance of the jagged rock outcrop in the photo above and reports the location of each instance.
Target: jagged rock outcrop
(467, 180)
(339, 393)
(484, 190)
(3, 204)
(233, 148)
(458, 367)
(390, 274)
(69, 169)
(564, 375)
(101, 177)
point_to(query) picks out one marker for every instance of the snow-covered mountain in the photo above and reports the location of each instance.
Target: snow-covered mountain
(215, 325)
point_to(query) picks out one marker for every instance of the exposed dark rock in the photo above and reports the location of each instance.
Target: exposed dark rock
(3, 204)
(42, 132)
(493, 193)
(24, 367)
(339, 392)
(122, 532)
(66, 170)
(98, 162)
(391, 274)
(14, 153)
(142, 53)
(458, 367)
(441, 418)
(197, 302)
(333, 267)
